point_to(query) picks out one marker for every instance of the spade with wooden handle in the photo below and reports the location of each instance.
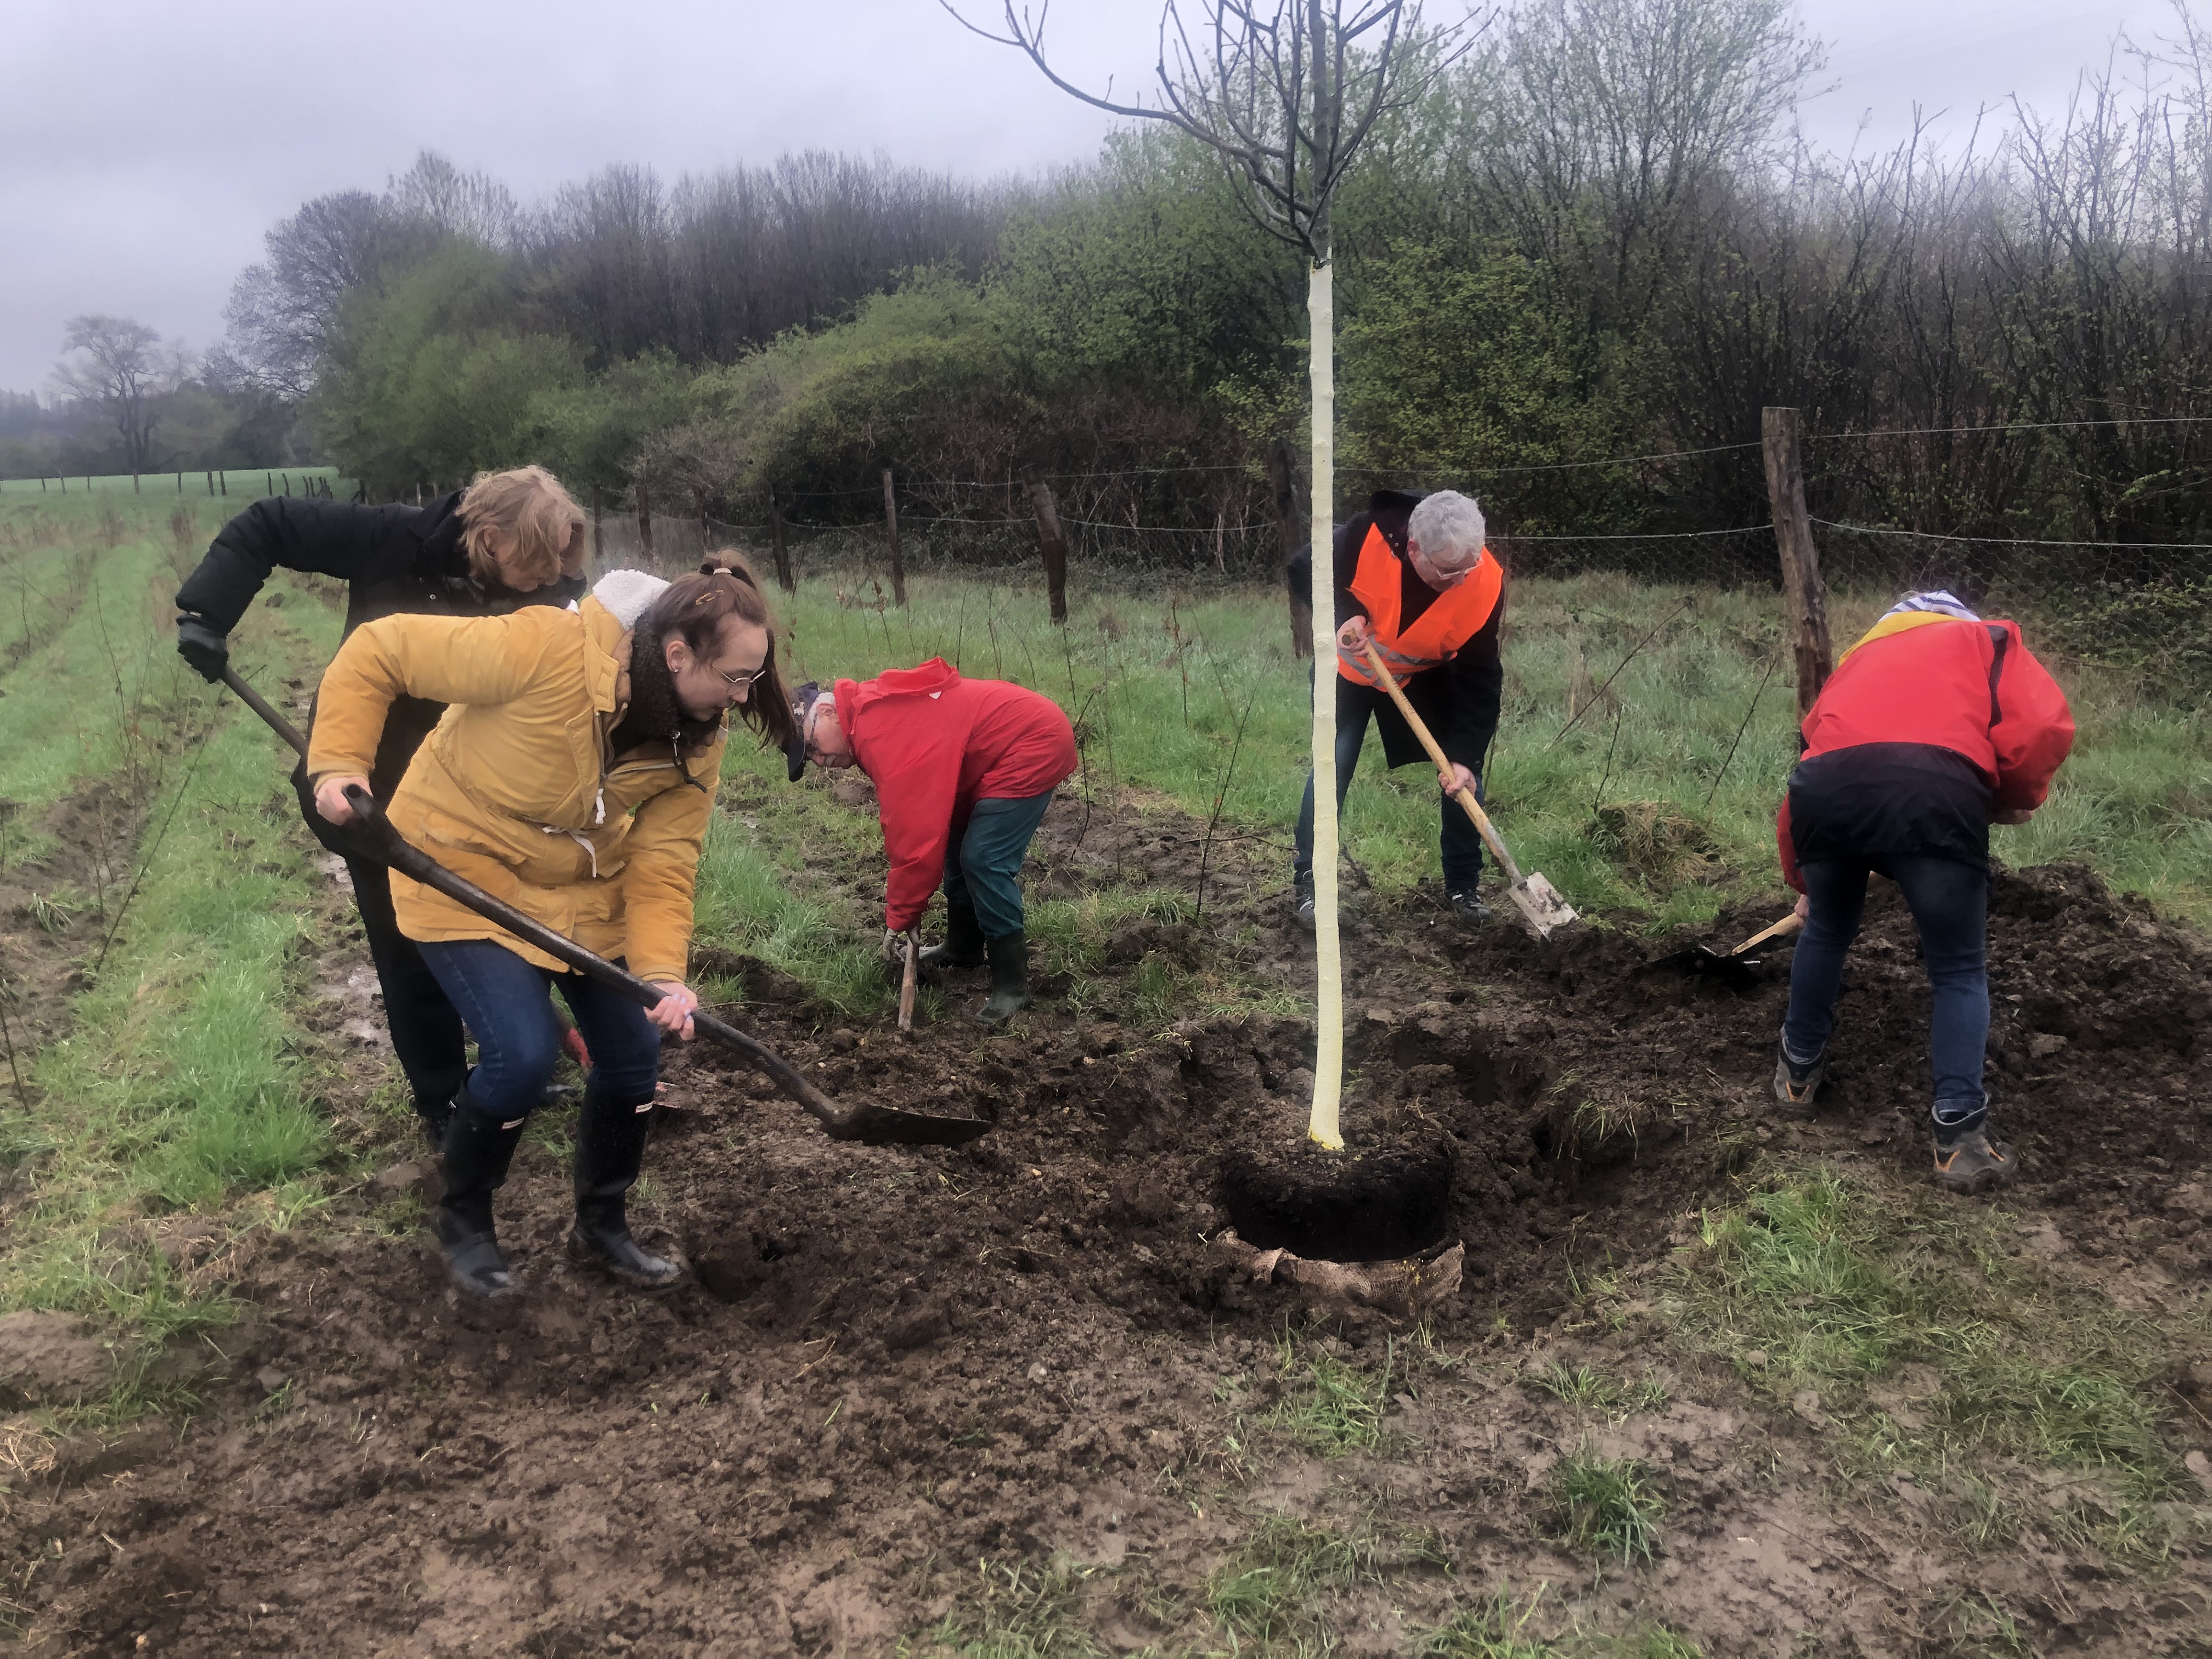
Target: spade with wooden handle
(1541, 907)
(906, 984)
(1736, 967)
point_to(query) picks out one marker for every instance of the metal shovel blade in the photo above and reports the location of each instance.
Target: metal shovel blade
(879, 1126)
(1543, 909)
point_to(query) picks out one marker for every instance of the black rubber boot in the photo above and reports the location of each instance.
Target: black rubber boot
(610, 1147)
(476, 1152)
(1009, 979)
(963, 942)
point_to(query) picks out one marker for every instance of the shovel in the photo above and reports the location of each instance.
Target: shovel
(1543, 909)
(872, 1126)
(1734, 967)
(905, 983)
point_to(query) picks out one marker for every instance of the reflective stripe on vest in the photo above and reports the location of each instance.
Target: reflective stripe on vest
(1456, 616)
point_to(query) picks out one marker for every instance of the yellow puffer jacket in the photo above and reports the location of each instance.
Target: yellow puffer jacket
(516, 789)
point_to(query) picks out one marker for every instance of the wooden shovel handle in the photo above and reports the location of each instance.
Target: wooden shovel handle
(906, 985)
(1789, 924)
(1464, 797)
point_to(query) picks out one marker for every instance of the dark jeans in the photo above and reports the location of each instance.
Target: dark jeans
(1459, 843)
(426, 1032)
(981, 867)
(1949, 904)
(504, 1001)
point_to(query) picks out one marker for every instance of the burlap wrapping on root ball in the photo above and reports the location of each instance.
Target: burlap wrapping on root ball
(1405, 1289)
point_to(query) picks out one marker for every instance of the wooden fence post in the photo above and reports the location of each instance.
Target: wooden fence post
(890, 528)
(181, 481)
(644, 519)
(210, 481)
(1804, 595)
(784, 578)
(134, 483)
(222, 481)
(595, 524)
(1055, 550)
(1291, 535)
(706, 536)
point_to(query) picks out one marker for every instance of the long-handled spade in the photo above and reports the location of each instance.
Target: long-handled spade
(872, 1126)
(1541, 907)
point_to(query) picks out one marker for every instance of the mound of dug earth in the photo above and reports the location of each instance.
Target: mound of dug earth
(893, 1359)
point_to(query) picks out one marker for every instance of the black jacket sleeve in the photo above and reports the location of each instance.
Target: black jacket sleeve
(1475, 677)
(328, 539)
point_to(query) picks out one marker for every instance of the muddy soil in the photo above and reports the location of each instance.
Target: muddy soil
(892, 1364)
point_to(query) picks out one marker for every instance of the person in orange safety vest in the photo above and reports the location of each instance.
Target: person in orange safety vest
(1412, 575)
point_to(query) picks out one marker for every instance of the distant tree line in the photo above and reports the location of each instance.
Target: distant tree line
(123, 400)
(1598, 237)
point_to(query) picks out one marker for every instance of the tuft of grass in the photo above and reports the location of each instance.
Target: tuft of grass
(1664, 1642)
(1587, 1387)
(1335, 1408)
(1017, 1610)
(1494, 1628)
(1608, 1505)
(1269, 1595)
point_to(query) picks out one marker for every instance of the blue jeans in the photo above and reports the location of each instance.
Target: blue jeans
(1459, 843)
(504, 1001)
(981, 867)
(1949, 904)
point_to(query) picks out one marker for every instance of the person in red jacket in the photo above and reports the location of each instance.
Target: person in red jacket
(963, 770)
(1934, 725)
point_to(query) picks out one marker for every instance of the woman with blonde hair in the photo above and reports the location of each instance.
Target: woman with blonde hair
(573, 776)
(510, 539)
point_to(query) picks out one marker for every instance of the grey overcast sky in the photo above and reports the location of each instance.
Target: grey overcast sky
(145, 146)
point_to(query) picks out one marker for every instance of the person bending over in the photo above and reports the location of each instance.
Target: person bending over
(573, 776)
(510, 539)
(1935, 725)
(1413, 576)
(963, 770)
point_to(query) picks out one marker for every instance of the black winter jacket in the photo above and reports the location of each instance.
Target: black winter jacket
(1458, 702)
(398, 560)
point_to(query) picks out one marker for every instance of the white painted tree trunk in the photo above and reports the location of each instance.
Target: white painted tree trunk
(1329, 978)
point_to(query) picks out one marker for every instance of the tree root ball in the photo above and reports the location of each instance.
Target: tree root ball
(1378, 1199)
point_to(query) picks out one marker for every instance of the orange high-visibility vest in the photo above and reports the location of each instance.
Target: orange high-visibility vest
(1456, 617)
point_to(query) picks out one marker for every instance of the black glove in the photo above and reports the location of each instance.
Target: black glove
(206, 650)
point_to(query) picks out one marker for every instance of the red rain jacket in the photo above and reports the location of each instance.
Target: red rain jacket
(934, 745)
(1939, 682)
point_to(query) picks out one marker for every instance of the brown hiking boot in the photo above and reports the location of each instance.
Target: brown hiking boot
(1970, 1162)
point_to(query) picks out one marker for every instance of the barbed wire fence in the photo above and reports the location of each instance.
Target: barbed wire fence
(2147, 603)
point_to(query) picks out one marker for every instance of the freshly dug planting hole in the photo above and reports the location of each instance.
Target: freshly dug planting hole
(1377, 1201)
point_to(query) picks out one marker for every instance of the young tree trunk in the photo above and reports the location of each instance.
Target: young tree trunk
(644, 519)
(1329, 978)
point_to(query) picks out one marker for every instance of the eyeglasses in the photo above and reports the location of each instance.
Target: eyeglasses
(737, 682)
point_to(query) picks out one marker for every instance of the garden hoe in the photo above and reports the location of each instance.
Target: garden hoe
(1738, 968)
(872, 1126)
(1543, 910)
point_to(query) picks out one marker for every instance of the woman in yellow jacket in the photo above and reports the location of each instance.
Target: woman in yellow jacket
(573, 776)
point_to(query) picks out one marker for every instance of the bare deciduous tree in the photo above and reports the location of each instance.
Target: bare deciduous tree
(120, 365)
(1285, 94)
